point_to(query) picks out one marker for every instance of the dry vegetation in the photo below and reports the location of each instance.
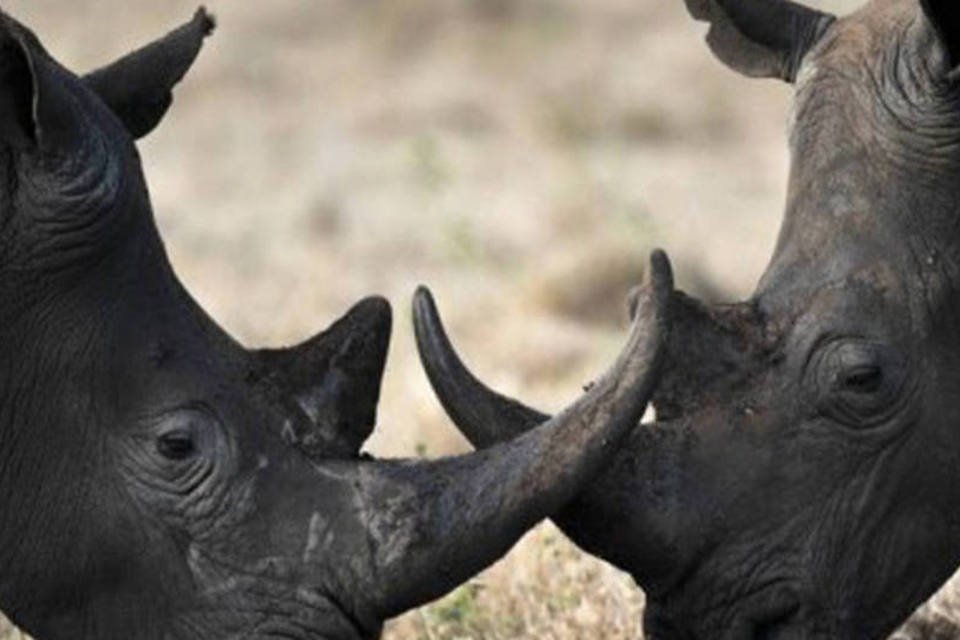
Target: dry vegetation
(520, 156)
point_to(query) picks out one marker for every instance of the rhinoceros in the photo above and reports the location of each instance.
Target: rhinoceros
(160, 481)
(802, 476)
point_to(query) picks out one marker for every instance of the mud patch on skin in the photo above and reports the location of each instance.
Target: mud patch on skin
(319, 537)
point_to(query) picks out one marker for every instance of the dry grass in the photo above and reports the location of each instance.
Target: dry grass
(521, 156)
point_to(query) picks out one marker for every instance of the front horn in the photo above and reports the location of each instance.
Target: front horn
(466, 512)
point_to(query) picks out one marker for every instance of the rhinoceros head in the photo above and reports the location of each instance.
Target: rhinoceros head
(803, 476)
(157, 479)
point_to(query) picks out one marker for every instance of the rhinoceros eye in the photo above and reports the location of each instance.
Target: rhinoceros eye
(176, 453)
(176, 445)
(184, 434)
(862, 380)
(858, 382)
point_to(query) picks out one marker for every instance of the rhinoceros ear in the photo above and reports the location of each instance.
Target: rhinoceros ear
(761, 38)
(139, 86)
(17, 125)
(38, 103)
(944, 15)
(335, 378)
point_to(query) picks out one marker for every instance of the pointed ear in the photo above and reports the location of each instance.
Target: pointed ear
(139, 86)
(17, 126)
(335, 378)
(761, 38)
(944, 16)
(38, 105)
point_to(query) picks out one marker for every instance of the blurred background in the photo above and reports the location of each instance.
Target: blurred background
(521, 157)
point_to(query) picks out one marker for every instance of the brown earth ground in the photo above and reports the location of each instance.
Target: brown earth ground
(520, 156)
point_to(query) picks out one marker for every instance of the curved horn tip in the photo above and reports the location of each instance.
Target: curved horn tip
(424, 305)
(207, 20)
(661, 274)
(656, 291)
(422, 292)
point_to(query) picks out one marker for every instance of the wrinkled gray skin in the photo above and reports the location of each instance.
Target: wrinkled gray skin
(158, 480)
(802, 479)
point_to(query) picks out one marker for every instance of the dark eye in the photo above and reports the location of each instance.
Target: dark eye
(858, 382)
(176, 445)
(864, 379)
(179, 452)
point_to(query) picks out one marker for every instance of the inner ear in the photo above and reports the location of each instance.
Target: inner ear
(761, 38)
(17, 90)
(40, 99)
(944, 16)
